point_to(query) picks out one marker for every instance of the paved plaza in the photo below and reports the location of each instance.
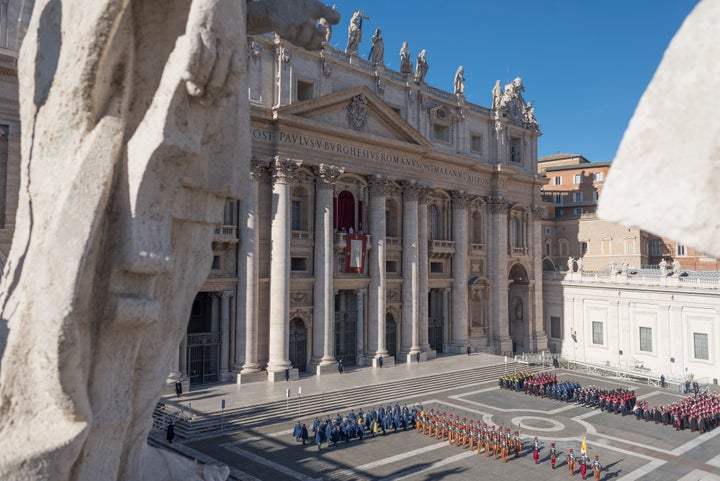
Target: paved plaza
(629, 449)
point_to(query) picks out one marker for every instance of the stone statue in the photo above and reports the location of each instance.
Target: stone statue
(421, 68)
(613, 268)
(496, 95)
(571, 264)
(663, 267)
(354, 33)
(130, 150)
(405, 63)
(377, 51)
(624, 267)
(686, 146)
(323, 23)
(676, 268)
(579, 263)
(459, 83)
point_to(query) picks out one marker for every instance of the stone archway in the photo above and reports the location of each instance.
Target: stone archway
(519, 307)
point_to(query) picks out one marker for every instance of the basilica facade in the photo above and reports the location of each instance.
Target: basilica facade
(385, 218)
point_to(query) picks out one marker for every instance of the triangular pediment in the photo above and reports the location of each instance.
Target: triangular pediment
(357, 110)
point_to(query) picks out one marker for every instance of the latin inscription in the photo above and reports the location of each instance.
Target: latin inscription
(368, 154)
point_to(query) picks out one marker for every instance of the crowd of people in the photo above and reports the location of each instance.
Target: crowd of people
(544, 384)
(357, 425)
(697, 413)
(618, 401)
(494, 441)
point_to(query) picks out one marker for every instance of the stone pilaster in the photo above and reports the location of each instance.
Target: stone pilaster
(283, 73)
(283, 171)
(460, 332)
(446, 320)
(497, 269)
(376, 268)
(323, 310)
(246, 358)
(409, 340)
(225, 297)
(423, 273)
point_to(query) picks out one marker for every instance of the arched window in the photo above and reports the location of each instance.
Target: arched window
(299, 209)
(515, 232)
(391, 218)
(434, 222)
(346, 211)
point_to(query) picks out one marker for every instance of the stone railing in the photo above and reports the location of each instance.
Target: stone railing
(519, 251)
(225, 233)
(441, 248)
(393, 242)
(477, 249)
(301, 235)
(686, 282)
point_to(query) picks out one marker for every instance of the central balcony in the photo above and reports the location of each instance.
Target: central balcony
(441, 249)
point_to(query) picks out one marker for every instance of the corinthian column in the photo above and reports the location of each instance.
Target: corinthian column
(497, 268)
(538, 323)
(279, 352)
(460, 277)
(376, 268)
(409, 341)
(247, 304)
(323, 310)
(423, 271)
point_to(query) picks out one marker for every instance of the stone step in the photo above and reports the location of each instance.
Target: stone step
(189, 426)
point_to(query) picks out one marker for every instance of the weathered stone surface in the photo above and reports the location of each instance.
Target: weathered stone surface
(664, 177)
(135, 132)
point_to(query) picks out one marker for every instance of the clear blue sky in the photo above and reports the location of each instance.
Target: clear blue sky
(584, 62)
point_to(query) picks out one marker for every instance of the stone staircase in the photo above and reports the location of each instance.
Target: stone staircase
(194, 425)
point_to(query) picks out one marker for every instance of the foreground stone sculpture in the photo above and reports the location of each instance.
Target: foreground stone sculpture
(135, 132)
(664, 177)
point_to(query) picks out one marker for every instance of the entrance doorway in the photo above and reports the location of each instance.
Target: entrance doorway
(435, 320)
(203, 341)
(391, 335)
(298, 344)
(346, 327)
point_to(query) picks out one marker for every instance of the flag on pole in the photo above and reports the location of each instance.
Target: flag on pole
(583, 447)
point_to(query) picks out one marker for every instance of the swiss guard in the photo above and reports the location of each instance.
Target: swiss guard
(536, 450)
(553, 455)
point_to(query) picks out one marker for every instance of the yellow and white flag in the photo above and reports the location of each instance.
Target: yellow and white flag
(583, 447)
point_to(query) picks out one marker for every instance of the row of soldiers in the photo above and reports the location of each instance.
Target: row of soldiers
(468, 434)
(352, 425)
(514, 381)
(583, 462)
(618, 401)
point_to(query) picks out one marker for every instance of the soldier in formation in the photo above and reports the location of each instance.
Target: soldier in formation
(553, 455)
(596, 468)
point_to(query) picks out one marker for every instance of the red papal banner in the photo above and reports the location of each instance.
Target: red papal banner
(355, 253)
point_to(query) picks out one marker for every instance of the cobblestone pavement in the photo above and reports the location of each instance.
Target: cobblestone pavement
(628, 449)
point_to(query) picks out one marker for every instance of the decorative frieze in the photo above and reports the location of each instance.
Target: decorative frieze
(282, 52)
(301, 297)
(357, 112)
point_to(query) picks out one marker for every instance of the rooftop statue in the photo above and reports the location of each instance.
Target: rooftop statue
(129, 153)
(421, 67)
(405, 63)
(459, 81)
(355, 32)
(377, 51)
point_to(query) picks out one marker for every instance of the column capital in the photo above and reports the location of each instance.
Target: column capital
(410, 190)
(377, 185)
(284, 170)
(360, 292)
(258, 167)
(424, 195)
(460, 199)
(224, 294)
(497, 204)
(327, 175)
(537, 211)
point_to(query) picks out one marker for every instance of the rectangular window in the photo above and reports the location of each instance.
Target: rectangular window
(441, 132)
(578, 211)
(629, 246)
(305, 90)
(559, 212)
(557, 180)
(583, 248)
(680, 249)
(298, 264)
(646, 339)
(700, 343)
(477, 144)
(516, 151)
(216, 263)
(597, 333)
(598, 177)
(558, 199)
(577, 196)
(391, 267)
(555, 325)
(577, 179)
(436, 267)
(655, 247)
(295, 215)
